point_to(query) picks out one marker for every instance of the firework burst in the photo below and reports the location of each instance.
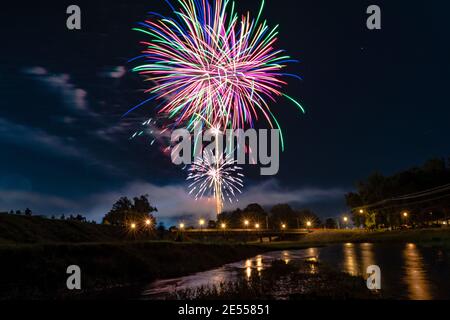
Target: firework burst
(222, 179)
(209, 65)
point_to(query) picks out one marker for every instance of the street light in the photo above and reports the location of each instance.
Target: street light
(345, 219)
(181, 226)
(257, 226)
(148, 222)
(223, 226)
(308, 224)
(246, 223)
(133, 226)
(361, 211)
(283, 226)
(201, 223)
(405, 214)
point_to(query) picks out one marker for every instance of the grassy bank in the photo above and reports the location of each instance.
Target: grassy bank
(32, 230)
(39, 271)
(439, 237)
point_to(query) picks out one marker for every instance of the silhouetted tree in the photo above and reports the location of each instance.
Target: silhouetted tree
(307, 215)
(256, 214)
(233, 219)
(161, 230)
(124, 212)
(330, 223)
(284, 214)
(161, 227)
(212, 224)
(80, 218)
(28, 212)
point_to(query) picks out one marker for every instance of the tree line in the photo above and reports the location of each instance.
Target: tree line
(278, 216)
(72, 217)
(419, 196)
(138, 213)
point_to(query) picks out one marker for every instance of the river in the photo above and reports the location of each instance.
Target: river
(408, 271)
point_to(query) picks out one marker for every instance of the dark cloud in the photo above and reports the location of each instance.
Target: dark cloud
(61, 84)
(113, 72)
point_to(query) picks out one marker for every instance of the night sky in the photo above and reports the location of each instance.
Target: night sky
(375, 101)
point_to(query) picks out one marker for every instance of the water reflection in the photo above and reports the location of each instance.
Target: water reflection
(226, 273)
(248, 269)
(350, 260)
(367, 258)
(415, 275)
(313, 252)
(286, 257)
(259, 264)
(406, 272)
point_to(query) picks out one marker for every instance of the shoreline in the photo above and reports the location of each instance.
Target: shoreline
(318, 238)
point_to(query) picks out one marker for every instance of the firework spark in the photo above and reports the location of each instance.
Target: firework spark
(207, 64)
(222, 179)
(158, 134)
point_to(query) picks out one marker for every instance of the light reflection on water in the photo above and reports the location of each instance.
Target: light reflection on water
(226, 273)
(357, 257)
(406, 272)
(350, 264)
(367, 256)
(416, 276)
(286, 257)
(248, 268)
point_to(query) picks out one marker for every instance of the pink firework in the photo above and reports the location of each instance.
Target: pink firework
(208, 65)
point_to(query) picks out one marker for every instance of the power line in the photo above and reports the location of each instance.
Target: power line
(411, 196)
(416, 202)
(426, 192)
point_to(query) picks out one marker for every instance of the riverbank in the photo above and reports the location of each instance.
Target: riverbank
(39, 271)
(434, 237)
